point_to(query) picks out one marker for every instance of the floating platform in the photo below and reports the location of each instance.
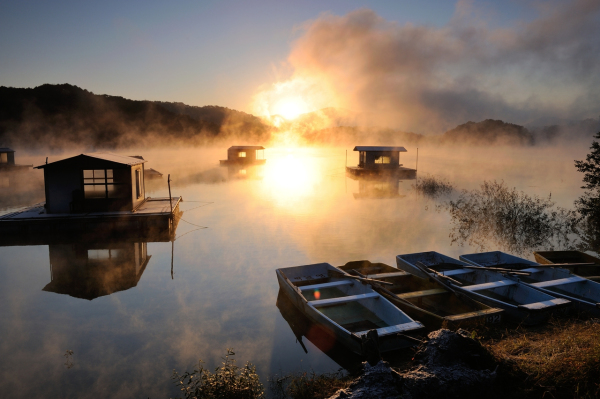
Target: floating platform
(153, 220)
(400, 173)
(242, 163)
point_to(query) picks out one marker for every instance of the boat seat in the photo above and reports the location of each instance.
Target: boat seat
(545, 304)
(487, 286)
(398, 328)
(326, 285)
(560, 281)
(416, 294)
(340, 300)
(384, 275)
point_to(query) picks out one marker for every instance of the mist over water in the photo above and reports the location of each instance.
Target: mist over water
(298, 208)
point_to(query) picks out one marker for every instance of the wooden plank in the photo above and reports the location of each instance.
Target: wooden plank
(335, 301)
(560, 281)
(487, 286)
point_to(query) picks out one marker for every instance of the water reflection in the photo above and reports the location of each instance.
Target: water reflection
(302, 327)
(378, 189)
(92, 270)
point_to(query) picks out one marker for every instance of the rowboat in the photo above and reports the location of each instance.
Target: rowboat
(425, 300)
(555, 281)
(521, 302)
(575, 258)
(346, 306)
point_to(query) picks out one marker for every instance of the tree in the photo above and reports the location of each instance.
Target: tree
(588, 205)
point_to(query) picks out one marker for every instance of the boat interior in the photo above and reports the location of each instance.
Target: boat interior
(422, 293)
(487, 283)
(348, 302)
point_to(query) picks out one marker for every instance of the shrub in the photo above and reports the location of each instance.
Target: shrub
(229, 381)
(433, 187)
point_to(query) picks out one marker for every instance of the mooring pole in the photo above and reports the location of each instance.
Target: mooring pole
(172, 250)
(346, 158)
(169, 183)
(417, 166)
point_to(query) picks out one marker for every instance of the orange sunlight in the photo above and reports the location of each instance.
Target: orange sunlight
(289, 177)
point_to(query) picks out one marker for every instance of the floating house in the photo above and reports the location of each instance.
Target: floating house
(89, 270)
(7, 161)
(245, 154)
(94, 191)
(377, 161)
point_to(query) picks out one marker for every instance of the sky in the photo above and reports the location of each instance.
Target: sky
(437, 61)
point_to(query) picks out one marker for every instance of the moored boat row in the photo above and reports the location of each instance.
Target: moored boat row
(429, 290)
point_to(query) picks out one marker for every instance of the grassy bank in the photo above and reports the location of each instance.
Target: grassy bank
(560, 359)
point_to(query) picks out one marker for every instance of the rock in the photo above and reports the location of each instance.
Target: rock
(378, 381)
(451, 365)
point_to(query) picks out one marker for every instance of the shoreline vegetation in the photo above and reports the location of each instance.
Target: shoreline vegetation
(560, 359)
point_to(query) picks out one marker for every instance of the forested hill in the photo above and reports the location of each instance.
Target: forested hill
(58, 116)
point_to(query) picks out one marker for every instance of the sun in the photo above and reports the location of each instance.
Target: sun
(290, 107)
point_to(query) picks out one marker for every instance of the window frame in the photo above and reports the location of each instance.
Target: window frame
(101, 182)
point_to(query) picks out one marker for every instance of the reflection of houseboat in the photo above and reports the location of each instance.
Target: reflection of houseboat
(245, 154)
(7, 161)
(240, 172)
(378, 189)
(95, 191)
(89, 271)
(380, 161)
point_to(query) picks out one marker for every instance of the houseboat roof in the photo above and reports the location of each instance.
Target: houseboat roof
(247, 147)
(378, 148)
(104, 156)
(4, 149)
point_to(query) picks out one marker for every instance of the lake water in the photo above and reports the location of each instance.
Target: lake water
(221, 291)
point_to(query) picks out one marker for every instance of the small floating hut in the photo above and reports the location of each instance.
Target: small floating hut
(245, 154)
(7, 161)
(378, 161)
(94, 192)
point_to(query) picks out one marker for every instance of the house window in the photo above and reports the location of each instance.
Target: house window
(138, 183)
(100, 183)
(382, 159)
(4, 158)
(242, 154)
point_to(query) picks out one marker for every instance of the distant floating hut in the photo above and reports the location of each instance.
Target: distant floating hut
(7, 161)
(378, 161)
(95, 191)
(245, 154)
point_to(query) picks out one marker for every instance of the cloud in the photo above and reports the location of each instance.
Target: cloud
(428, 79)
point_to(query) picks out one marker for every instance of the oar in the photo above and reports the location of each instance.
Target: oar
(420, 264)
(499, 269)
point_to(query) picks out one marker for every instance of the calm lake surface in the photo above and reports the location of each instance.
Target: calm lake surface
(236, 229)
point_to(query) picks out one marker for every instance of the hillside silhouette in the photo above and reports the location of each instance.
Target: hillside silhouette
(59, 116)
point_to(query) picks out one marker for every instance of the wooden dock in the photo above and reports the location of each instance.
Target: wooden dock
(155, 219)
